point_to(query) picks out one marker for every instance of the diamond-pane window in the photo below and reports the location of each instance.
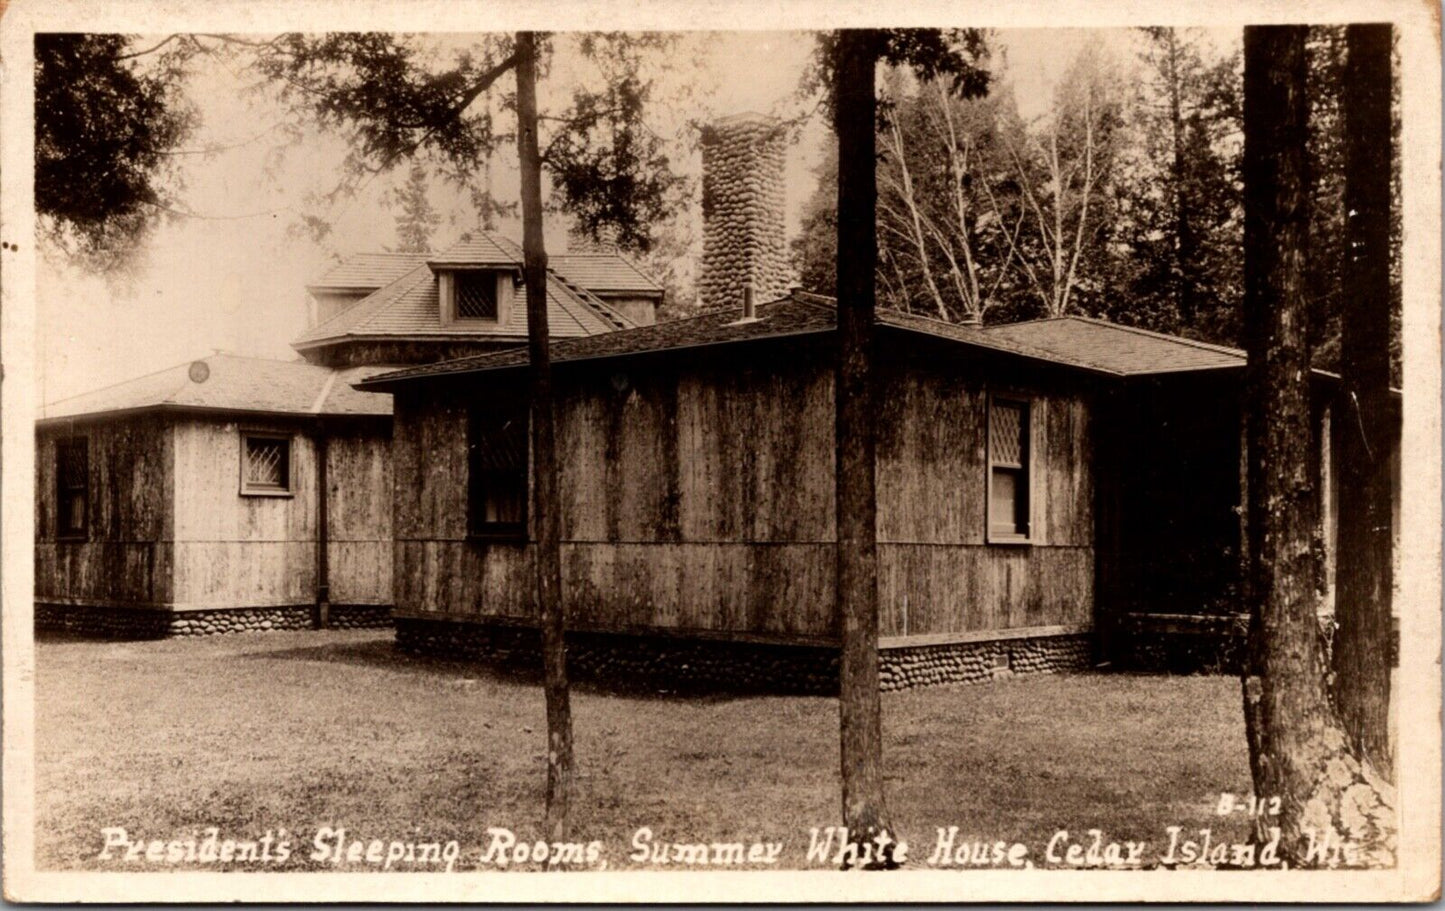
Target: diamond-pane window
(72, 488)
(1008, 470)
(497, 466)
(265, 464)
(476, 294)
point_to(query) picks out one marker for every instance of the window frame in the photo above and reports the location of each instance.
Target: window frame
(63, 491)
(501, 532)
(1026, 468)
(249, 488)
(449, 282)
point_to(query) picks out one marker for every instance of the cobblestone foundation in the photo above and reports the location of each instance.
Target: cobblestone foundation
(676, 663)
(149, 623)
(973, 662)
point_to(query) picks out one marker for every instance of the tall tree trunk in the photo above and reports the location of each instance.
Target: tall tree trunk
(1298, 750)
(861, 735)
(1364, 429)
(546, 505)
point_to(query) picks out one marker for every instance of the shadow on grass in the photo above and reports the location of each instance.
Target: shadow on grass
(383, 653)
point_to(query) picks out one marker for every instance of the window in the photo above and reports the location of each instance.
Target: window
(476, 295)
(1008, 470)
(72, 488)
(265, 464)
(497, 472)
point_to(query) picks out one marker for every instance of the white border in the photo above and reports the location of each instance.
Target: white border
(1419, 599)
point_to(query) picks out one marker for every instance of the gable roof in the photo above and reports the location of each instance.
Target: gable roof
(234, 383)
(799, 314)
(364, 271)
(1124, 350)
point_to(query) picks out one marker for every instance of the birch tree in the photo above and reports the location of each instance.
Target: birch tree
(940, 202)
(1062, 167)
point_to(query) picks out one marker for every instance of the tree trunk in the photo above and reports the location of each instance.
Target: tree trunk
(546, 513)
(861, 736)
(1364, 429)
(1334, 810)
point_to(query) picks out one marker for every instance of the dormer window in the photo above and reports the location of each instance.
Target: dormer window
(474, 295)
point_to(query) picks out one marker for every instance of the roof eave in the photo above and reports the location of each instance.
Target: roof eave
(518, 337)
(385, 380)
(173, 408)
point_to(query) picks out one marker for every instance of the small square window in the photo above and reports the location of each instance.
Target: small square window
(476, 295)
(72, 488)
(1008, 471)
(265, 464)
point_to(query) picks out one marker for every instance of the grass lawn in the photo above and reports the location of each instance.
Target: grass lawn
(302, 730)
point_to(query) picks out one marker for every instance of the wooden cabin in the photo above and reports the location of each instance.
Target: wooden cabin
(239, 493)
(1036, 481)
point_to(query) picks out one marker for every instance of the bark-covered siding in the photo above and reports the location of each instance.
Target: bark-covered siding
(234, 550)
(698, 494)
(693, 498)
(359, 488)
(936, 572)
(125, 557)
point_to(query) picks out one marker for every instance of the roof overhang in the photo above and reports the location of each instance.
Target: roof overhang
(509, 338)
(172, 409)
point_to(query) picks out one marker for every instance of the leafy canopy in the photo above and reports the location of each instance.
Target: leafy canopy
(106, 126)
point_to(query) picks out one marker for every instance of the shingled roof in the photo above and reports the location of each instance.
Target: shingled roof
(797, 315)
(1125, 350)
(603, 273)
(407, 306)
(367, 271)
(1089, 345)
(232, 384)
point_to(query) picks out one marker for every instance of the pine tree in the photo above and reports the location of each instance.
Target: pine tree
(417, 219)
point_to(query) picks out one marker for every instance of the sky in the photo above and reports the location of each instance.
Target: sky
(234, 279)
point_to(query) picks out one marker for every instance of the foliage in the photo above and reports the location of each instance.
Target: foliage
(948, 215)
(394, 99)
(1181, 199)
(1065, 172)
(106, 126)
(417, 219)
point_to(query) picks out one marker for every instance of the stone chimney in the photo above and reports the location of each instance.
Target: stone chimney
(743, 239)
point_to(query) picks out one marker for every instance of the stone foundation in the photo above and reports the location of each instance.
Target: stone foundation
(974, 662)
(690, 664)
(152, 623)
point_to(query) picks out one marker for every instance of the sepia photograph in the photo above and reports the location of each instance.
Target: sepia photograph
(938, 454)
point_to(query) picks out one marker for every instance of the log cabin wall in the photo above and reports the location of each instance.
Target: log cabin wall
(125, 558)
(938, 575)
(698, 498)
(359, 488)
(234, 550)
(697, 492)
